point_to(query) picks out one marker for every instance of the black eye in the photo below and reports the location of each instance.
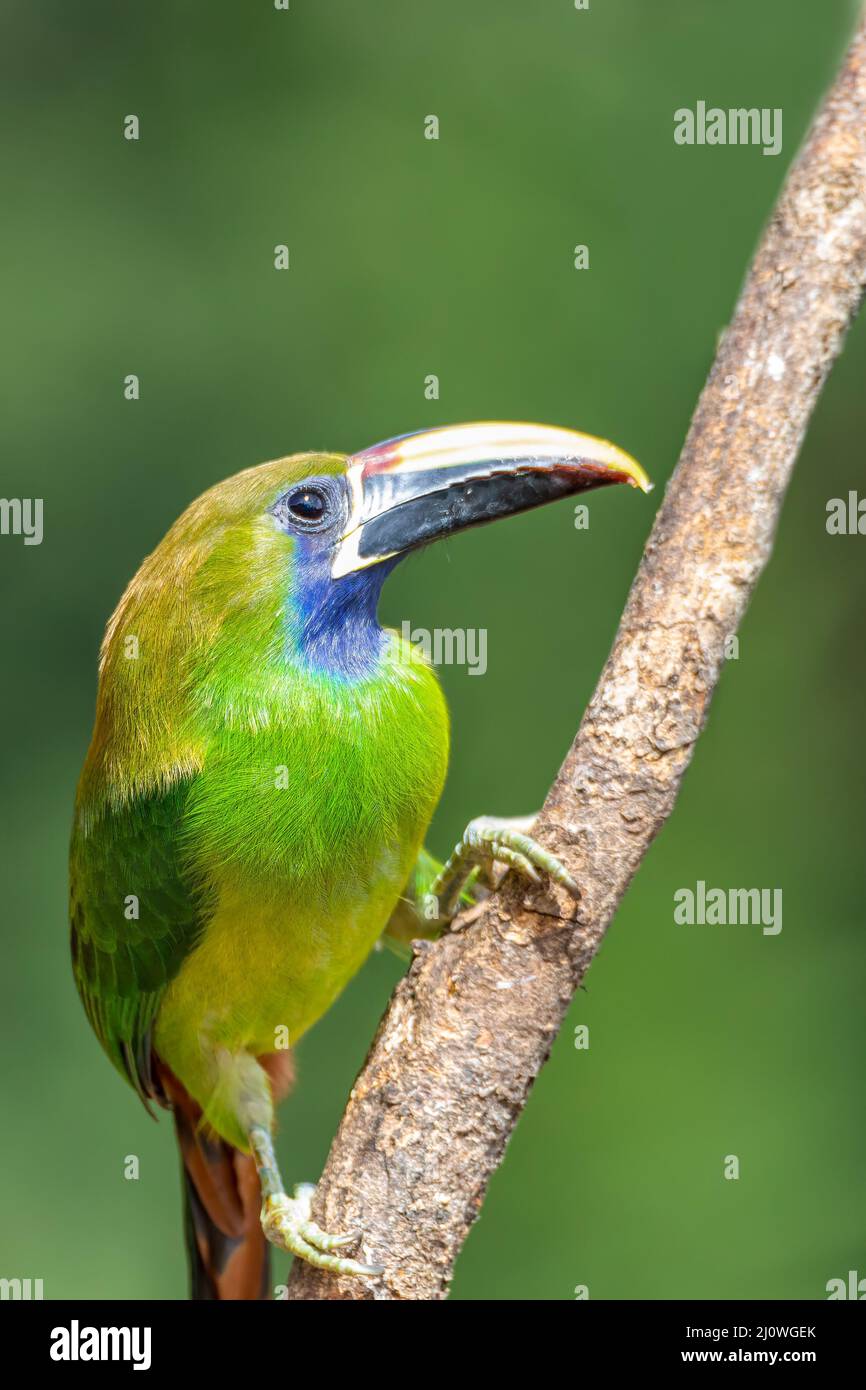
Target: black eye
(307, 504)
(311, 507)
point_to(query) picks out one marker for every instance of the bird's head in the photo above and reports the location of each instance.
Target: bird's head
(288, 559)
(349, 519)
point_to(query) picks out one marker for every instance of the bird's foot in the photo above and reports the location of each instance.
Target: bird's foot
(287, 1224)
(489, 841)
(497, 840)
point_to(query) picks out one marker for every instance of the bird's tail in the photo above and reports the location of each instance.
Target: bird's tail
(226, 1247)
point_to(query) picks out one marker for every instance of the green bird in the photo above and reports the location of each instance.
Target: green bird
(251, 814)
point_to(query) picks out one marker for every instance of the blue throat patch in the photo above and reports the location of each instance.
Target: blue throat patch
(333, 627)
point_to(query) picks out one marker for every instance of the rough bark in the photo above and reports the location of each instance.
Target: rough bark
(473, 1021)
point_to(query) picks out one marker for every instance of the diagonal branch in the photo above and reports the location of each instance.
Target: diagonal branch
(473, 1021)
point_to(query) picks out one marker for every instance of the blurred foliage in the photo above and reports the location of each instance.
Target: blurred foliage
(454, 257)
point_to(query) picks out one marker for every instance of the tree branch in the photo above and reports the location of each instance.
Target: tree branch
(475, 1017)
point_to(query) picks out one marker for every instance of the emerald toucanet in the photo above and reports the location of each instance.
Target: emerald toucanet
(265, 763)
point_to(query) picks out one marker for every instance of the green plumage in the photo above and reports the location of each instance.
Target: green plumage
(245, 825)
(251, 813)
(122, 964)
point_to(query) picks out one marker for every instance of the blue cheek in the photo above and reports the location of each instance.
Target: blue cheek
(332, 623)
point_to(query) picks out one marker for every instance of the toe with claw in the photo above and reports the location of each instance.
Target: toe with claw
(286, 1223)
(491, 840)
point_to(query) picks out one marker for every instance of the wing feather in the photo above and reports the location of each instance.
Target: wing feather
(136, 911)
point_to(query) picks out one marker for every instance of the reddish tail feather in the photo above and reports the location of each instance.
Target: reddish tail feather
(226, 1248)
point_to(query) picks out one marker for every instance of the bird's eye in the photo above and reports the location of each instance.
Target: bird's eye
(307, 504)
(312, 506)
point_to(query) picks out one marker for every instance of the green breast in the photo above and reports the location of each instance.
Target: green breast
(307, 827)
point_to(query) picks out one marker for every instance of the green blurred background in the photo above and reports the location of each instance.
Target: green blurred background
(411, 257)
